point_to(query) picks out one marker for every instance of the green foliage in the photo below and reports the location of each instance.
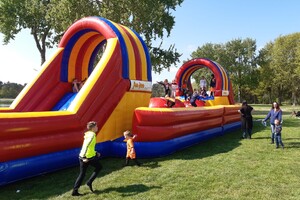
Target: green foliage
(279, 64)
(239, 58)
(158, 90)
(48, 20)
(262, 76)
(225, 167)
(10, 90)
(215, 52)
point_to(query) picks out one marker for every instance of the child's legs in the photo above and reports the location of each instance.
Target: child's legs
(277, 140)
(194, 104)
(127, 161)
(272, 132)
(96, 164)
(280, 140)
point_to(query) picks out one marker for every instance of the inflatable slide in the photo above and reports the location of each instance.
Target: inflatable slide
(42, 131)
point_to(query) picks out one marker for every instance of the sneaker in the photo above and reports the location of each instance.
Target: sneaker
(76, 193)
(90, 186)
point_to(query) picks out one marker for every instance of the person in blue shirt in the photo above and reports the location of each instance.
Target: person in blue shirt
(274, 113)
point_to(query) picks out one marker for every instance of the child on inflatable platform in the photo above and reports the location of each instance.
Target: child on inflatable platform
(195, 96)
(167, 87)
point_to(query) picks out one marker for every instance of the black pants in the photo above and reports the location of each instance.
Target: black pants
(170, 104)
(193, 104)
(135, 160)
(247, 124)
(83, 167)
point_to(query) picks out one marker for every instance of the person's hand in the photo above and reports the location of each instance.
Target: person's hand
(98, 154)
(85, 160)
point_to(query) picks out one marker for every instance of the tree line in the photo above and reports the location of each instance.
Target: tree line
(10, 90)
(257, 75)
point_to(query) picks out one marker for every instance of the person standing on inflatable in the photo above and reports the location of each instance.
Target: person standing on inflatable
(203, 83)
(212, 85)
(167, 87)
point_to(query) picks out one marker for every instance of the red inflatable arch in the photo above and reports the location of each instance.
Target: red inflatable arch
(223, 84)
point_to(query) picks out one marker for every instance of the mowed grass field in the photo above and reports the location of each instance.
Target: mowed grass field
(225, 167)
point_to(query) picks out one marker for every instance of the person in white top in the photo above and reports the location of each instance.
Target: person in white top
(174, 87)
(203, 83)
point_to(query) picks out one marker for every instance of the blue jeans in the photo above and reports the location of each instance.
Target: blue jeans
(272, 132)
(278, 141)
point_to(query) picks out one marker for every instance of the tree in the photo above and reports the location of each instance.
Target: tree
(264, 89)
(239, 59)
(279, 69)
(284, 64)
(10, 90)
(215, 52)
(47, 21)
(242, 65)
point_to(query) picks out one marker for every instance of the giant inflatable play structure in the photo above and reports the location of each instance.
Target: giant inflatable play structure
(42, 131)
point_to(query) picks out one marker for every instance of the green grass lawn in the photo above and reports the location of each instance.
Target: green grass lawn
(222, 168)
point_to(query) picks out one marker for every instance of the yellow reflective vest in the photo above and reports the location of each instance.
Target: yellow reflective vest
(88, 147)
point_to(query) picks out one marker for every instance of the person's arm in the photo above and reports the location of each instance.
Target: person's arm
(280, 116)
(268, 116)
(75, 87)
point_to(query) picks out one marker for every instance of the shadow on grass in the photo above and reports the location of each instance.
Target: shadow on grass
(261, 138)
(222, 144)
(291, 145)
(61, 182)
(129, 190)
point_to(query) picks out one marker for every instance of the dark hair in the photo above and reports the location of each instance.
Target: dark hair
(277, 107)
(244, 103)
(91, 125)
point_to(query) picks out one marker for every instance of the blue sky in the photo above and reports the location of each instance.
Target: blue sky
(197, 22)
